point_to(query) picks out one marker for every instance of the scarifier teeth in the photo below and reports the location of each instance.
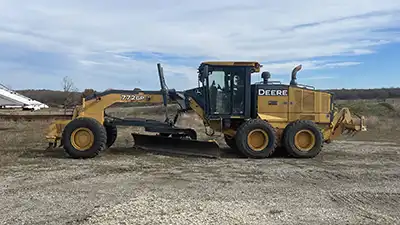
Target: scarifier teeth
(50, 146)
(350, 132)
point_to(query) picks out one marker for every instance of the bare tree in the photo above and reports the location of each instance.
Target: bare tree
(69, 89)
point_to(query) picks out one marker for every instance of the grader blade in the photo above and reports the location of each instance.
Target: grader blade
(176, 145)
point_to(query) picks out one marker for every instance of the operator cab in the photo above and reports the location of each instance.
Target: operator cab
(226, 88)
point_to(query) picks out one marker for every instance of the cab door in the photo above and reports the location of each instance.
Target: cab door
(226, 92)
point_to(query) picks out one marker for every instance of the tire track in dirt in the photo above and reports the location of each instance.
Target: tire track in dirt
(373, 207)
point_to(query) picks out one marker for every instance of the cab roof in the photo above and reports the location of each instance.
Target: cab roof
(253, 64)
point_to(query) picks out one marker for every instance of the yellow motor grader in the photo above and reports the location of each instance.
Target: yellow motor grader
(255, 118)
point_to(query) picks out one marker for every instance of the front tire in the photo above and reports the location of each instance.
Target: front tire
(256, 138)
(84, 138)
(302, 139)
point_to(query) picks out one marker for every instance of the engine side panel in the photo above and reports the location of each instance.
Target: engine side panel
(306, 104)
(272, 100)
(284, 103)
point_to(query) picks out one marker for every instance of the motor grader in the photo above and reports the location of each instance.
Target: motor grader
(255, 119)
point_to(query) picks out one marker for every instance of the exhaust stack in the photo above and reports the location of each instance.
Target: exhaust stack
(294, 73)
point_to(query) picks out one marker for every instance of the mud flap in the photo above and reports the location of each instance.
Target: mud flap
(179, 146)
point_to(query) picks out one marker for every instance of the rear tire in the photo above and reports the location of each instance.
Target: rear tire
(256, 138)
(302, 139)
(84, 138)
(112, 133)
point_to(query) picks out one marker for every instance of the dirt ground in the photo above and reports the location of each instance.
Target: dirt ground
(350, 182)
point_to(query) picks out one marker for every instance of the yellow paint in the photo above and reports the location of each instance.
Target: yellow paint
(271, 118)
(214, 124)
(257, 139)
(94, 108)
(300, 104)
(196, 108)
(229, 132)
(306, 104)
(55, 129)
(341, 122)
(304, 140)
(76, 111)
(82, 139)
(277, 108)
(275, 121)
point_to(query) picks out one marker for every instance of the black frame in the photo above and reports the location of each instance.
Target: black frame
(246, 76)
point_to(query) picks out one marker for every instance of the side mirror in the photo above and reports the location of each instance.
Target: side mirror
(198, 92)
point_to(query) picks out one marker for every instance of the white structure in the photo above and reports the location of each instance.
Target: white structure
(11, 99)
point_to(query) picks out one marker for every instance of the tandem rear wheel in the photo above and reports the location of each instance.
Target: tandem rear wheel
(302, 139)
(256, 138)
(84, 138)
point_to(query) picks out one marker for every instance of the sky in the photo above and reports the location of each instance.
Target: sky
(117, 44)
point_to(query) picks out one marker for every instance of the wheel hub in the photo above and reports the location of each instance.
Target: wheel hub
(304, 140)
(257, 139)
(82, 139)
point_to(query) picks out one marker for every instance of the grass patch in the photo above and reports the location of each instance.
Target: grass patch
(380, 109)
(382, 119)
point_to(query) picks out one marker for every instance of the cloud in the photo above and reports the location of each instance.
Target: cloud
(318, 78)
(287, 67)
(118, 43)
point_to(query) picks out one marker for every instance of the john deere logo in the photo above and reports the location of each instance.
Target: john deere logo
(273, 92)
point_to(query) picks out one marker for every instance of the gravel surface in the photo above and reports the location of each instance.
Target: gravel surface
(348, 183)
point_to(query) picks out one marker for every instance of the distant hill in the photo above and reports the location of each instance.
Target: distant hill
(377, 93)
(52, 98)
(57, 98)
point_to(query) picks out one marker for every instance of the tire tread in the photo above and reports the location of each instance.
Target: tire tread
(290, 131)
(241, 138)
(100, 137)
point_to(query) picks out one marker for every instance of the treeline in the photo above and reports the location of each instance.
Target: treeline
(52, 98)
(354, 94)
(57, 98)
(60, 98)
